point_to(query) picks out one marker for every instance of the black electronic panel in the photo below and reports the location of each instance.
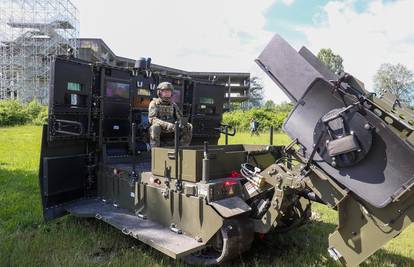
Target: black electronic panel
(71, 85)
(70, 99)
(57, 181)
(116, 128)
(208, 99)
(207, 110)
(116, 110)
(117, 90)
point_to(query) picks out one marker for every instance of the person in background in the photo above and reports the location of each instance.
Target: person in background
(254, 126)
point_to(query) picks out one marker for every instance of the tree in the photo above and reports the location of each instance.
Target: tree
(395, 79)
(269, 104)
(333, 61)
(256, 92)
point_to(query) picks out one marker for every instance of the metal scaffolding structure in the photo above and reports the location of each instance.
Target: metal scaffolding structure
(32, 32)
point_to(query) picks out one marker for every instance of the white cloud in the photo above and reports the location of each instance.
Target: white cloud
(193, 35)
(382, 33)
(288, 2)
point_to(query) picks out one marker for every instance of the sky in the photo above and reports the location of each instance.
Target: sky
(227, 35)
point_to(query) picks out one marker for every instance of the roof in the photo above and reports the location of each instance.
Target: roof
(161, 67)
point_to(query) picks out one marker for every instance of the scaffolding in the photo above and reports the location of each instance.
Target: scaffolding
(32, 32)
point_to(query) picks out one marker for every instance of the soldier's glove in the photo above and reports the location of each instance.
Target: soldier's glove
(183, 122)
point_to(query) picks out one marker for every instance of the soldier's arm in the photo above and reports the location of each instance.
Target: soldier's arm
(152, 113)
(153, 117)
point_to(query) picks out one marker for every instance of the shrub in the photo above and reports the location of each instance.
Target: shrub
(34, 108)
(265, 117)
(12, 112)
(41, 117)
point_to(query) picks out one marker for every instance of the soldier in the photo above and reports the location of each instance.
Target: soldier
(163, 113)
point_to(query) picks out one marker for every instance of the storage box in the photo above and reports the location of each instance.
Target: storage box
(223, 160)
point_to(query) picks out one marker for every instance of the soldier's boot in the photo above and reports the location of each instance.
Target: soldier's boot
(155, 133)
(186, 135)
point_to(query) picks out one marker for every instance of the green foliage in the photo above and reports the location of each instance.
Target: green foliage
(256, 92)
(41, 118)
(266, 117)
(269, 104)
(13, 112)
(330, 59)
(279, 138)
(397, 80)
(33, 108)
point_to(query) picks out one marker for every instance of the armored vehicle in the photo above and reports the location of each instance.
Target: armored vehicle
(350, 150)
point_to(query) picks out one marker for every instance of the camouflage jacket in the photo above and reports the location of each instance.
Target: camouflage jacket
(159, 112)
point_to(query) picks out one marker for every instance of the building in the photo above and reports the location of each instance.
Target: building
(96, 50)
(32, 32)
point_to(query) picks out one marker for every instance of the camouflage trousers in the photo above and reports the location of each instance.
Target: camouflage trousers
(186, 133)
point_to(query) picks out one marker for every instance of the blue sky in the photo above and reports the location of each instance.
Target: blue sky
(218, 35)
(283, 18)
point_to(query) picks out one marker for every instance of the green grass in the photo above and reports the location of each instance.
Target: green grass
(26, 241)
(263, 138)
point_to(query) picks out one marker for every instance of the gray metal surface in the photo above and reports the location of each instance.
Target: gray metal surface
(229, 207)
(157, 236)
(388, 168)
(317, 64)
(289, 70)
(144, 166)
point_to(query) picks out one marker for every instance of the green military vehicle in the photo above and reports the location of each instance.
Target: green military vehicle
(203, 203)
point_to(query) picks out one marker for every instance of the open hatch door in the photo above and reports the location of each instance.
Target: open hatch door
(207, 112)
(64, 158)
(358, 144)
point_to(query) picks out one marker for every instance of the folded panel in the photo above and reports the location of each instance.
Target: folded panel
(289, 70)
(317, 64)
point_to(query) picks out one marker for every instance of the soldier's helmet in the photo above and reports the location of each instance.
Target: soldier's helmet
(164, 86)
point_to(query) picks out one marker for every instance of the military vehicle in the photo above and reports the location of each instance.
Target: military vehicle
(203, 203)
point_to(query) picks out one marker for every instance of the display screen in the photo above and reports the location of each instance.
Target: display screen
(207, 100)
(143, 92)
(74, 86)
(117, 89)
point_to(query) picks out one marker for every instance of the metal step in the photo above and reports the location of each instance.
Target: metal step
(151, 233)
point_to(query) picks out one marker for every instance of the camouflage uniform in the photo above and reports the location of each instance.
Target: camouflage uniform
(162, 116)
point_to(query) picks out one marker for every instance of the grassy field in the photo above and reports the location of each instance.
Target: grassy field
(26, 241)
